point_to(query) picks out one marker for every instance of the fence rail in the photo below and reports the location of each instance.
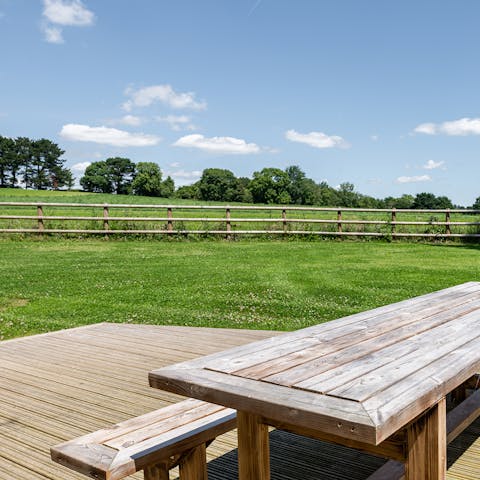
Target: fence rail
(113, 219)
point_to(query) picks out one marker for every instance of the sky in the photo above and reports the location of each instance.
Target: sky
(382, 94)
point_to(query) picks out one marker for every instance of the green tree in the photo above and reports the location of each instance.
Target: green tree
(188, 192)
(270, 185)
(121, 173)
(217, 184)
(476, 204)
(167, 188)
(148, 180)
(97, 178)
(429, 201)
(347, 196)
(7, 155)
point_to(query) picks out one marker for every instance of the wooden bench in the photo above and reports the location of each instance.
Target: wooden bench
(154, 442)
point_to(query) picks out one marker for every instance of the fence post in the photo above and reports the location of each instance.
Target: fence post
(229, 225)
(170, 221)
(394, 219)
(448, 231)
(106, 224)
(284, 218)
(339, 224)
(41, 225)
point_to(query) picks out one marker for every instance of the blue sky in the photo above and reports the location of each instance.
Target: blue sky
(382, 94)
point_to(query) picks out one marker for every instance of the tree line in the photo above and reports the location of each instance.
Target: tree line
(269, 185)
(38, 164)
(33, 164)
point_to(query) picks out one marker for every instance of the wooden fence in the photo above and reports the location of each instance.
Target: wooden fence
(229, 221)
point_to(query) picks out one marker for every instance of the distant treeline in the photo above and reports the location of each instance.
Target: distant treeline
(269, 185)
(33, 164)
(37, 164)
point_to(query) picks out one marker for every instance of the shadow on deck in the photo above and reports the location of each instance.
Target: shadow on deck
(64, 384)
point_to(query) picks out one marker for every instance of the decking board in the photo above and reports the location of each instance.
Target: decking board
(57, 386)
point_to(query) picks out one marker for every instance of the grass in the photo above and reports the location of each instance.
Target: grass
(53, 284)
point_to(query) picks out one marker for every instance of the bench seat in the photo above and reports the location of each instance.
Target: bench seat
(155, 442)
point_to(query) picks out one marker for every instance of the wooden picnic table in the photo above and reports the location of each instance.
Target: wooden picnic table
(375, 381)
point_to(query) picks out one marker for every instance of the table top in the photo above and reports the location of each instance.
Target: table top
(361, 377)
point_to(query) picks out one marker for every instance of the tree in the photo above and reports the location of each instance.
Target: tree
(167, 188)
(217, 184)
(270, 185)
(97, 178)
(189, 192)
(428, 201)
(121, 173)
(347, 196)
(148, 180)
(7, 154)
(476, 204)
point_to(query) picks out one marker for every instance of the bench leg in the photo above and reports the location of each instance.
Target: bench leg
(156, 472)
(427, 445)
(194, 465)
(253, 448)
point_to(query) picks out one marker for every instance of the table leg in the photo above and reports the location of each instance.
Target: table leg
(427, 445)
(253, 448)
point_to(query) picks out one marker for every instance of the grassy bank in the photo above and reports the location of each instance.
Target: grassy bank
(53, 284)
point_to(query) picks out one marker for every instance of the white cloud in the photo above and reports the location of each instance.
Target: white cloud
(227, 145)
(144, 97)
(107, 136)
(427, 128)
(79, 168)
(316, 139)
(374, 138)
(174, 164)
(183, 177)
(131, 120)
(67, 13)
(53, 35)
(414, 179)
(62, 13)
(461, 127)
(431, 164)
(177, 122)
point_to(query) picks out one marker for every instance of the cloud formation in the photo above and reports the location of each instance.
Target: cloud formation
(431, 165)
(79, 168)
(64, 13)
(316, 139)
(461, 127)
(107, 136)
(414, 179)
(144, 97)
(226, 145)
(177, 122)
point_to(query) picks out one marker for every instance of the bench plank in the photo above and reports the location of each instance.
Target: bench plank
(146, 442)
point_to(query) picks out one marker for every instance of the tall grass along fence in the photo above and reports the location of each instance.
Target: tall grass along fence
(230, 221)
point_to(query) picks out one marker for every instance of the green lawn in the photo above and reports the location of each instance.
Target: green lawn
(52, 284)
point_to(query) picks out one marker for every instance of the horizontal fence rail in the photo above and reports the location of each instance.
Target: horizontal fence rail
(229, 221)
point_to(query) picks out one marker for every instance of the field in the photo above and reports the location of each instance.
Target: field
(58, 283)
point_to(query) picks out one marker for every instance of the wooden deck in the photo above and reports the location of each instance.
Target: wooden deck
(57, 386)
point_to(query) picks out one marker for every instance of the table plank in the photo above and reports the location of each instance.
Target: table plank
(304, 372)
(266, 358)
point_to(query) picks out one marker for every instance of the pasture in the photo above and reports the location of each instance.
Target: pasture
(52, 284)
